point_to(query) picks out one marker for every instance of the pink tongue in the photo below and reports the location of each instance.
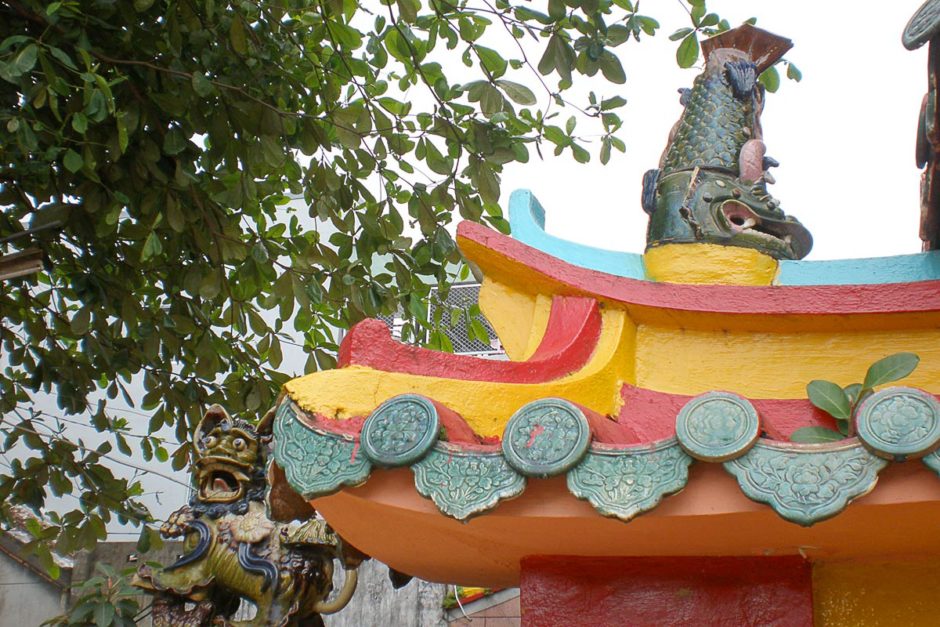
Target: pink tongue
(220, 485)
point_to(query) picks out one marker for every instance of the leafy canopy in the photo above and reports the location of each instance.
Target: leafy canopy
(150, 150)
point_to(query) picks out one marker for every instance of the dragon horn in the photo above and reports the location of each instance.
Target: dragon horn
(761, 46)
(343, 598)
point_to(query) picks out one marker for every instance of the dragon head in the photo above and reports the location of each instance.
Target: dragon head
(745, 215)
(719, 208)
(229, 469)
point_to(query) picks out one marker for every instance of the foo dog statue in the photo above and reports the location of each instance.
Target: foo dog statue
(234, 552)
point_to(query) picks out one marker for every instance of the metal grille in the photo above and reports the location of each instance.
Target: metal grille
(462, 297)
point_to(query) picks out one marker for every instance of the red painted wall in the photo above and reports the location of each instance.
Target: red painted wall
(640, 591)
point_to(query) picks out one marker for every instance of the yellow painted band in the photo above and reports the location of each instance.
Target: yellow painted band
(709, 264)
(774, 365)
(486, 406)
(519, 318)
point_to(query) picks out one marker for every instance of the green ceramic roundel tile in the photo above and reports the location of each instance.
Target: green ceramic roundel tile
(717, 426)
(546, 437)
(899, 423)
(400, 431)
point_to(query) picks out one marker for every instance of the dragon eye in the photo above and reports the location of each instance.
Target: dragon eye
(239, 444)
(210, 441)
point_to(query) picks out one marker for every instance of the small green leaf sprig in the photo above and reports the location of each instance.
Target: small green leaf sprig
(842, 402)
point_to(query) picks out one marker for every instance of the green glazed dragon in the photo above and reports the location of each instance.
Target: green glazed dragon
(234, 552)
(711, 185)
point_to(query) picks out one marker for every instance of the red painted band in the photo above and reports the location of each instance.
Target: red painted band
(922, 296)
(571, 335)
(659, 591)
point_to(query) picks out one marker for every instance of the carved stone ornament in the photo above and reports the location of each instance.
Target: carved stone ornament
(315, 462)
(400, 431)
(899, 423)
(464, 483)
(546, 437)
(806, 483)
(625, 482)
(717, 426)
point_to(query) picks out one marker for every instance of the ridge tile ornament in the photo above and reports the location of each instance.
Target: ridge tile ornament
(546, 437)
(316, 462)
(625, 482)
(464, 483)
(400, 431)
(717, 426)
(806, 483)
(711, 184)
(899, 423)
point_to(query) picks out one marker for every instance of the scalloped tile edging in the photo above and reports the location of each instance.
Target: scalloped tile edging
(803, 483)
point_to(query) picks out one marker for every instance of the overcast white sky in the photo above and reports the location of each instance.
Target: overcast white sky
(844, 136)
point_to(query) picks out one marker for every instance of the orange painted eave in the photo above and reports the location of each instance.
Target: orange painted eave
(387, 519)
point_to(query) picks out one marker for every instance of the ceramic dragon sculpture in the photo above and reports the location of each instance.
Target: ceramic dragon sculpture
(234, 552)
(711, 184)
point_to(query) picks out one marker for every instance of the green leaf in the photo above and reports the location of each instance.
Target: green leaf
(409, 10)
(612, 103)
(143, 540)
(174, 142)
(830, 398)
(687, 54)
(852, 392)
(152, 247)
(79, 122)
(72, 161)
(25, 60)
(794, 73)
(520, 94)
(493, 61)
(142, 5)
(80, 321)
(201, 84)
(104, 614)
(891, 368)
(237, 36)
(770, 79)
(815, 435)
(611, 68)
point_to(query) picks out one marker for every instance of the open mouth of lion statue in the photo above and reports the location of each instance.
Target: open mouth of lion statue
(221, 482)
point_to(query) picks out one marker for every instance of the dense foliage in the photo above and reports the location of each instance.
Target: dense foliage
(157, 151)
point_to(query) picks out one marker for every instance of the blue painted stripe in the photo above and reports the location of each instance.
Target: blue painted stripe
(527, 219)
(896, 269)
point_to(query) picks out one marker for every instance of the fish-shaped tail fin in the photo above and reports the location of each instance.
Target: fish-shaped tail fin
(762, 47)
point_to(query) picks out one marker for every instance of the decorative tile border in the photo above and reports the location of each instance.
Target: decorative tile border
(806, 483)
(625, 482)
(466, 483)
(803, 483)
(315, 462)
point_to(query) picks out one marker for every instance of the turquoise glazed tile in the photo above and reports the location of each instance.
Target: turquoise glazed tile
(806, 483)
(625, 482)
(463, 483)
(717, 426)
(899, 423)
(546, 437)
(400, 431)
(315, 462)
